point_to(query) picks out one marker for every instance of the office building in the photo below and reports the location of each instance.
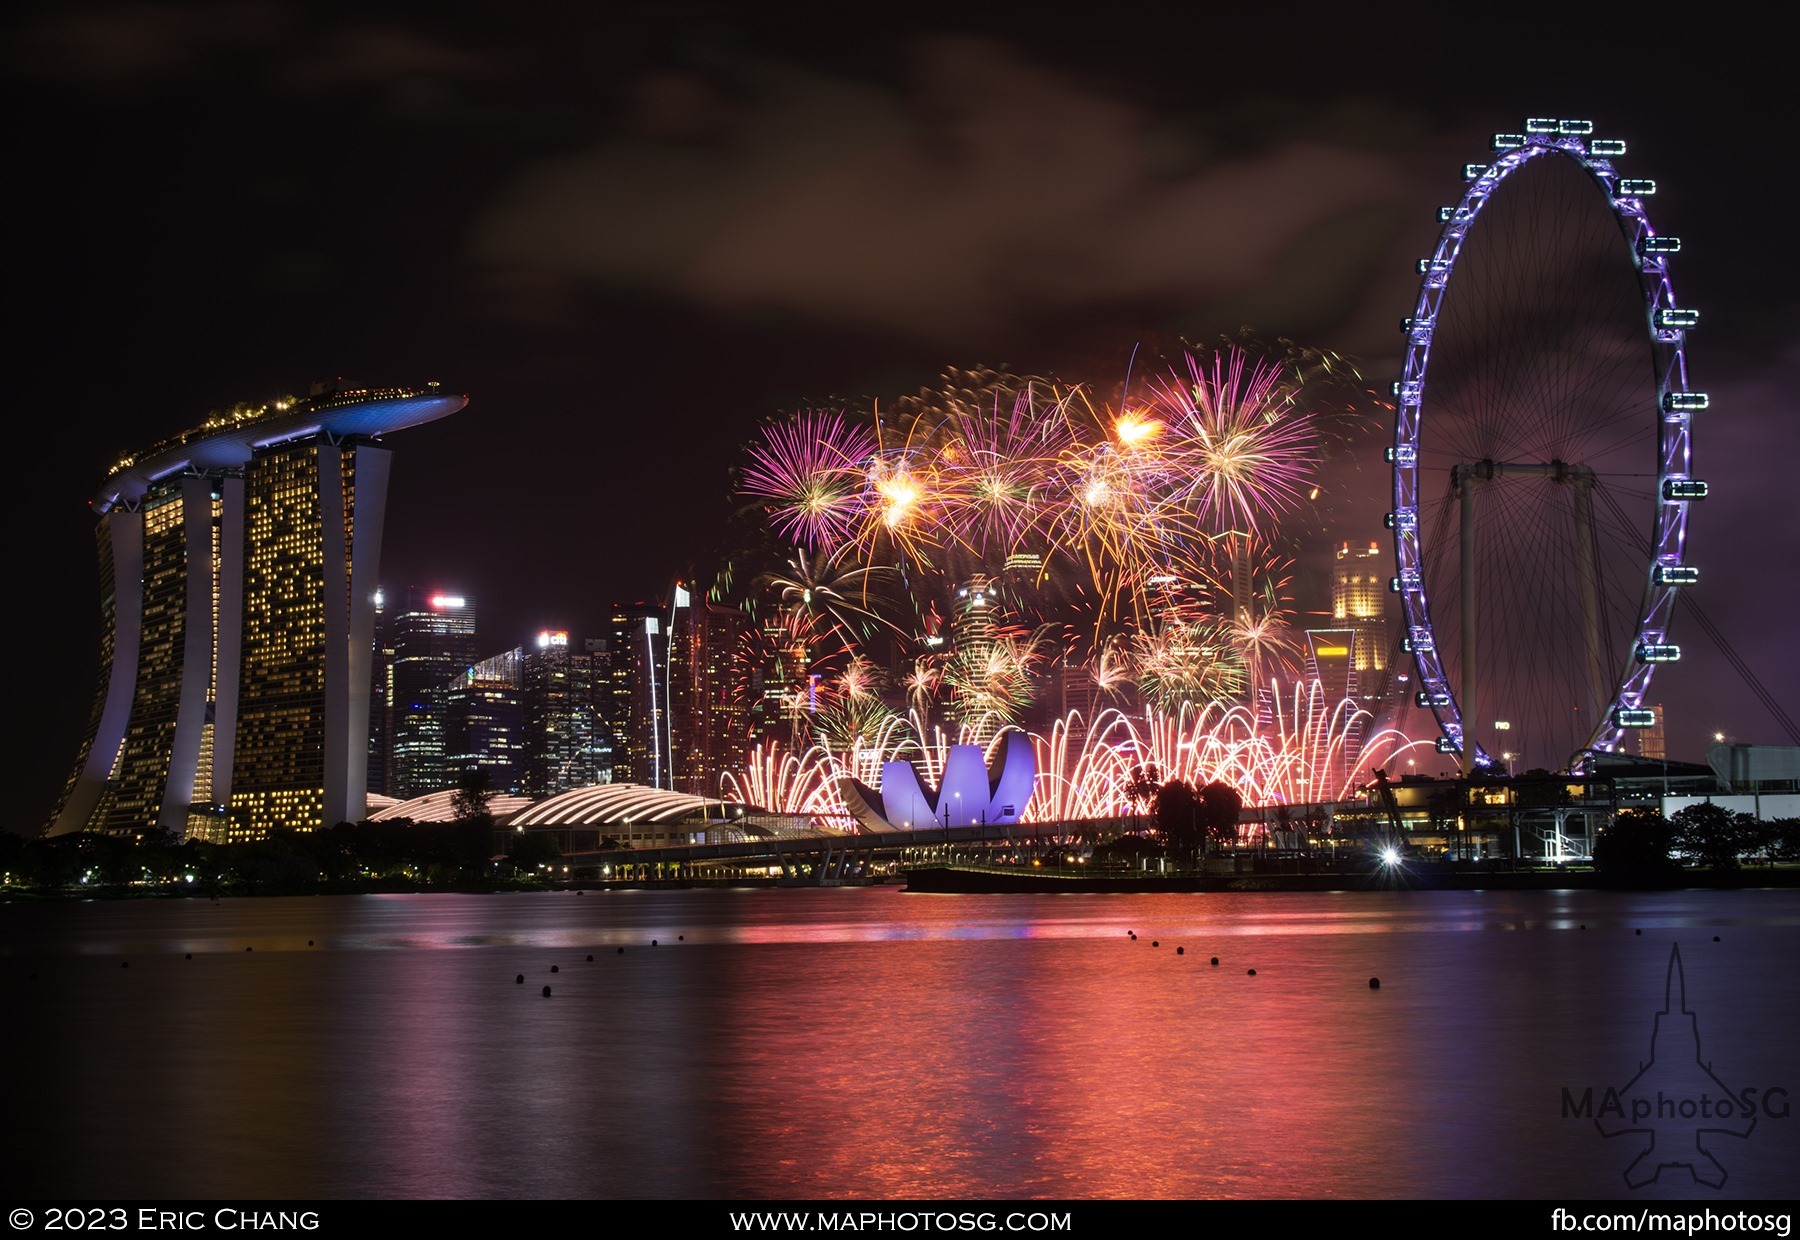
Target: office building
(565, 736)
(709, 717)
(638, 704)
(484, 726)
(433, 648)
(1359, 601)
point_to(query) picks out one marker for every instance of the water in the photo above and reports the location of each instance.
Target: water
(870, 1044)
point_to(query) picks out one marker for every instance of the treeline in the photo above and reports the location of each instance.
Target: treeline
(349, 855)
(1642, 844)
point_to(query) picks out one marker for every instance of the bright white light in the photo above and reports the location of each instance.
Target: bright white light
(442, 601)
(1390, 856)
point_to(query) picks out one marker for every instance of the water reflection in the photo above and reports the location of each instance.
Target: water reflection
(869, 1044)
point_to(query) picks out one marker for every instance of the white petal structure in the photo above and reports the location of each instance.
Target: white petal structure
(972, 793)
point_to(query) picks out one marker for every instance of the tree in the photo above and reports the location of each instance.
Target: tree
(530, 849)
(472, 795)
(1220, 804)
(1784, 839)
(1713, 836)
(1142, 787)
(1635, 847)
(1178, 816)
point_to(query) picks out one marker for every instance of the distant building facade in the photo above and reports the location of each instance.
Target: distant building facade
(433, 649)
(1359, 601)
(709, 716)
(566, 742)
(638, 702)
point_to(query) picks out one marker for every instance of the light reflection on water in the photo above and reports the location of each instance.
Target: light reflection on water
(869, 1044)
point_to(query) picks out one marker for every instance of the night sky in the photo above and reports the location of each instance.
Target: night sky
(631, 232)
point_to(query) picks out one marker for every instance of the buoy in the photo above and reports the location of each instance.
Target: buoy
(1584, 925)
(246, 949)
(1156, 942)
(1374, 983)
(124, 964)
(1250, 973)
(653, 942)
(1181, 951)
(554, 969)
(681, 938)
(309, 942)
(519, 980)
(190, 955)
(1215, 960)
(1637, 931)
(590, 960)
(621, 951)
(546, 992)
(1715, 938)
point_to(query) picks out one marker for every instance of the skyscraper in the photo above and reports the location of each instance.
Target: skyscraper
(638, 648)
(433, 646)
(238, 563)
(565, 744)
(709, 719)
(484, 725)
(1359, 601)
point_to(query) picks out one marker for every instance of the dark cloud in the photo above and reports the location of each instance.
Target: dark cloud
(386, 55)
(123, 47)
(987, 191)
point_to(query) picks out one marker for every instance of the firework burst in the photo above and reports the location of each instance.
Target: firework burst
(808, 472)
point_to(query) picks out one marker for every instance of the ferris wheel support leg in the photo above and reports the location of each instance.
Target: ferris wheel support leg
(1470, 666)
(1581, 482)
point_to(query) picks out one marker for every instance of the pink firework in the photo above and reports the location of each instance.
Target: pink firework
(999, 463)
(809, 472)
(1241, 434)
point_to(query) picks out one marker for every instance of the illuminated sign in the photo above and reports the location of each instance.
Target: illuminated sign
(443, 601)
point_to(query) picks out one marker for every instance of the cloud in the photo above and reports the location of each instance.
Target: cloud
(123, 46)
(985, 194)
(128, 47)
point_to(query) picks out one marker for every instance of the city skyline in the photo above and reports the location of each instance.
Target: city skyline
(430, 199)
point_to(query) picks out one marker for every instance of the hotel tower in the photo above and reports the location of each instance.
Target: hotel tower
(238, 566)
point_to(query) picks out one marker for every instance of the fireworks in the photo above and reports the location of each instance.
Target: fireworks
(808, 472)
(948, 550)
(1313, 752)
(1252, 444)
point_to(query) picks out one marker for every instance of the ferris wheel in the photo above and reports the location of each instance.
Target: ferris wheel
(1542, 456)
